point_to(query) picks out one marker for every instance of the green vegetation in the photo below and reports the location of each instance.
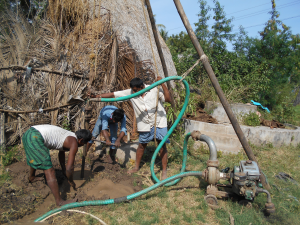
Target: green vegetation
(10, 156)
(251, 119)
(264, 69)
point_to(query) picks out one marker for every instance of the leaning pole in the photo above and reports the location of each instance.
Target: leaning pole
(218, 89)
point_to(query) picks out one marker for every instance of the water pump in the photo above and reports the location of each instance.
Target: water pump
(244, 179)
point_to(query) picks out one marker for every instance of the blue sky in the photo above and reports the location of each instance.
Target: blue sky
(252, 15)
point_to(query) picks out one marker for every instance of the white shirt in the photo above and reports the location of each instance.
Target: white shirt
(144, 108)
(54, 137)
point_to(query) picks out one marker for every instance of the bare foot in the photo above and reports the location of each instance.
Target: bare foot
(132, 171)
(67, 202)
(35, 179)
(164, 175)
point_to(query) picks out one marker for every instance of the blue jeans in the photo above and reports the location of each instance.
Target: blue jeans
(113, 127)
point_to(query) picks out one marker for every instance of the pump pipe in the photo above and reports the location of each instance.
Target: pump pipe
(218, 89)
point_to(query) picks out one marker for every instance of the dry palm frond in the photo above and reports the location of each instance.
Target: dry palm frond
(86, 44)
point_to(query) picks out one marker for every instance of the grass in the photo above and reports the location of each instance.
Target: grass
(184, 203)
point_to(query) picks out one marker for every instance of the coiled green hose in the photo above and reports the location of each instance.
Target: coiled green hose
(167, 182)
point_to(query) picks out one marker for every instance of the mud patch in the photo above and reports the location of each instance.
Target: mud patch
(200, 115)
(29, 201)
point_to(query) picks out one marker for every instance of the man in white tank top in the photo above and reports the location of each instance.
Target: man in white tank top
(39, 139)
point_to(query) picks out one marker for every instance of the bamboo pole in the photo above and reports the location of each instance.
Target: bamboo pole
(2, 134)
(218, 89)
(159, 49)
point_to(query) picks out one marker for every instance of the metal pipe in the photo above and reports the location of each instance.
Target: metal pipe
(159, 49)
(211, 145)
(218, 89)
(260, 190)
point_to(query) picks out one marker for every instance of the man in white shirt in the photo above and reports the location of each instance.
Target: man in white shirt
(144, 108)
(39, 139)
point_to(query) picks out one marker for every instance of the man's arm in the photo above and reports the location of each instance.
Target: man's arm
(62, 161)
(123, 132)
(72, 144)
(165, 90)
(118, 141)
(106, 136)
(105, 95)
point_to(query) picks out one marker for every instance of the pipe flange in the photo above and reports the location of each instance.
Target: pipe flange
(196, 135)
(212, 163)
(270, 207)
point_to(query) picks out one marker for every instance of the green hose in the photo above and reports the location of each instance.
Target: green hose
(167, 182)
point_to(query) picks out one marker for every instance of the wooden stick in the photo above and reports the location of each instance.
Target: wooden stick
(74, 74)
(37, 110)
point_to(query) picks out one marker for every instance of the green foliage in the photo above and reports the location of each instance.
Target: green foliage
(10, 156)
(264, 69)
(164, 33)
(251, 119)
(66, 123)
(179, 102)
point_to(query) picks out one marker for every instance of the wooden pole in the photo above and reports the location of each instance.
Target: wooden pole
(85, 123)
(2, 134)
(218, 89)
(160, 52)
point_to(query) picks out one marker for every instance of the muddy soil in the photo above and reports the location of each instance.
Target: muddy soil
(22, 202)
(201, 115)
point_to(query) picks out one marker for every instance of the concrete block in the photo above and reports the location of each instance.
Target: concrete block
(226, 139)
(218, 112)
(127, 152)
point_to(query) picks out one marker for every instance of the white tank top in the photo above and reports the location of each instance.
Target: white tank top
(54, 137)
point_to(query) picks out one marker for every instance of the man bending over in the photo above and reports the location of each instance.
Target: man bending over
(37, 141)
(108, 120)
(144, 108)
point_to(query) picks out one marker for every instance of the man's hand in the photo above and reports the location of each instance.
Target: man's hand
(158, 78)
(117, 143)
(92, 95)
(108, 142)
(72, 184)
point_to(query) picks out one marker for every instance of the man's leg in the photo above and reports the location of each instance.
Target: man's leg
(139, 154)
(163, 153)
(32, 178)
(113, 128)
(53, 185)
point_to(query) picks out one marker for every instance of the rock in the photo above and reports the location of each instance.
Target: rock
(30, 198)
(97, 153)
(44, 192)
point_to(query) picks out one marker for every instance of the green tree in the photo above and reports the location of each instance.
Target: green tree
(164, 34)
(221, 30)
(202, 31)
(279, 48)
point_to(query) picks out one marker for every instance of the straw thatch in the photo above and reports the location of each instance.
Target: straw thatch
(80, 46)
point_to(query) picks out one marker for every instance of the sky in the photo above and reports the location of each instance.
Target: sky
(252, 15)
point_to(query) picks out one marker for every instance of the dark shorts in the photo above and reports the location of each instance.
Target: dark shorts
(37, 154)
(146, 137)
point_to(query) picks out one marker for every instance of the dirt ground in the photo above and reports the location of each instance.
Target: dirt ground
(22, 202)
(200, 115)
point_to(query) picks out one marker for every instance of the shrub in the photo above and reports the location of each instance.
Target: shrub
(251, 119)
